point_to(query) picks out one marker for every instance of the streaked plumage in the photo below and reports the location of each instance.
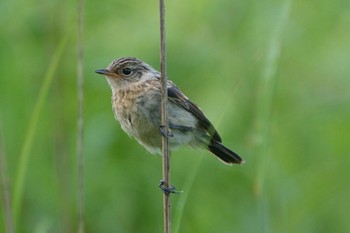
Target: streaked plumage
(136, 95)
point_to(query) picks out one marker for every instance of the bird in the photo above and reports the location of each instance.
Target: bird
(136, 104)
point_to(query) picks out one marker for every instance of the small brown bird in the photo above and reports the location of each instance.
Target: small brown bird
(136, 97)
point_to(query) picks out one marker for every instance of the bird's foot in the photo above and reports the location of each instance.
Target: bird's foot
(167, 189)
(168, 134)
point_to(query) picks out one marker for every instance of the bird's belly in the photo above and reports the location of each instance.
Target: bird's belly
(142, 119)
(147, 132)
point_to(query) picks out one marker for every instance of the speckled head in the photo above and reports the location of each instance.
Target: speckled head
(126, 71)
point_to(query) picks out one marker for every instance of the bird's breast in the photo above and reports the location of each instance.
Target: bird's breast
(124, 109)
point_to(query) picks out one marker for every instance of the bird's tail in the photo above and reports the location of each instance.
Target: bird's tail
(225, 154)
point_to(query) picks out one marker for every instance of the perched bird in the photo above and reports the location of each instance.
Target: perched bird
(136, 98)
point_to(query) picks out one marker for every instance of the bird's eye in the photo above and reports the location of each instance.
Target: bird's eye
(126, 71)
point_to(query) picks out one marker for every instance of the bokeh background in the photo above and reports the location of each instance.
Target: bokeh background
(273, 77)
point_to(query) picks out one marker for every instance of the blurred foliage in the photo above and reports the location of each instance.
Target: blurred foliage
(295, 143)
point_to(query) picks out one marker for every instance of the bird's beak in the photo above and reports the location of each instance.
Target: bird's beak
(103, 71)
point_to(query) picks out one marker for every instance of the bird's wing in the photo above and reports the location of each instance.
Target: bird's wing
(176, 96)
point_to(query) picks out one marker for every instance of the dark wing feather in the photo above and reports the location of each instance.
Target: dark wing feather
(176, 96)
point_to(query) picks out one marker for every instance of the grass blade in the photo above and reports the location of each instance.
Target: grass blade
(264, 111)
(30, 134)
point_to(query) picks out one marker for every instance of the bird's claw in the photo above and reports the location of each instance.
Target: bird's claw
(168, 189)
(168, 134)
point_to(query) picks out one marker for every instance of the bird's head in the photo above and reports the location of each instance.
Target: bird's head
(127, 71)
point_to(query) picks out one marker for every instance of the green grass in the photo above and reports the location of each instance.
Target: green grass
(33, 124)
(272, 76)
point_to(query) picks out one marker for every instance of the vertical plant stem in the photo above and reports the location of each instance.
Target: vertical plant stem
(5, 188)
(29, 136)
(80, 120)
(264, 110)
(165, 125)
(267, 90)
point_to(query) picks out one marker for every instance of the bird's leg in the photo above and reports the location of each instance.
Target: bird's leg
(168, 190)
(165, 134)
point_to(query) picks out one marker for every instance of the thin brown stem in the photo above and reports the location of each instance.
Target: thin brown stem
(165, 125)
(80, 121)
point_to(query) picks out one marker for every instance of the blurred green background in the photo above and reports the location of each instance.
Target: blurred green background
(273, 77)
